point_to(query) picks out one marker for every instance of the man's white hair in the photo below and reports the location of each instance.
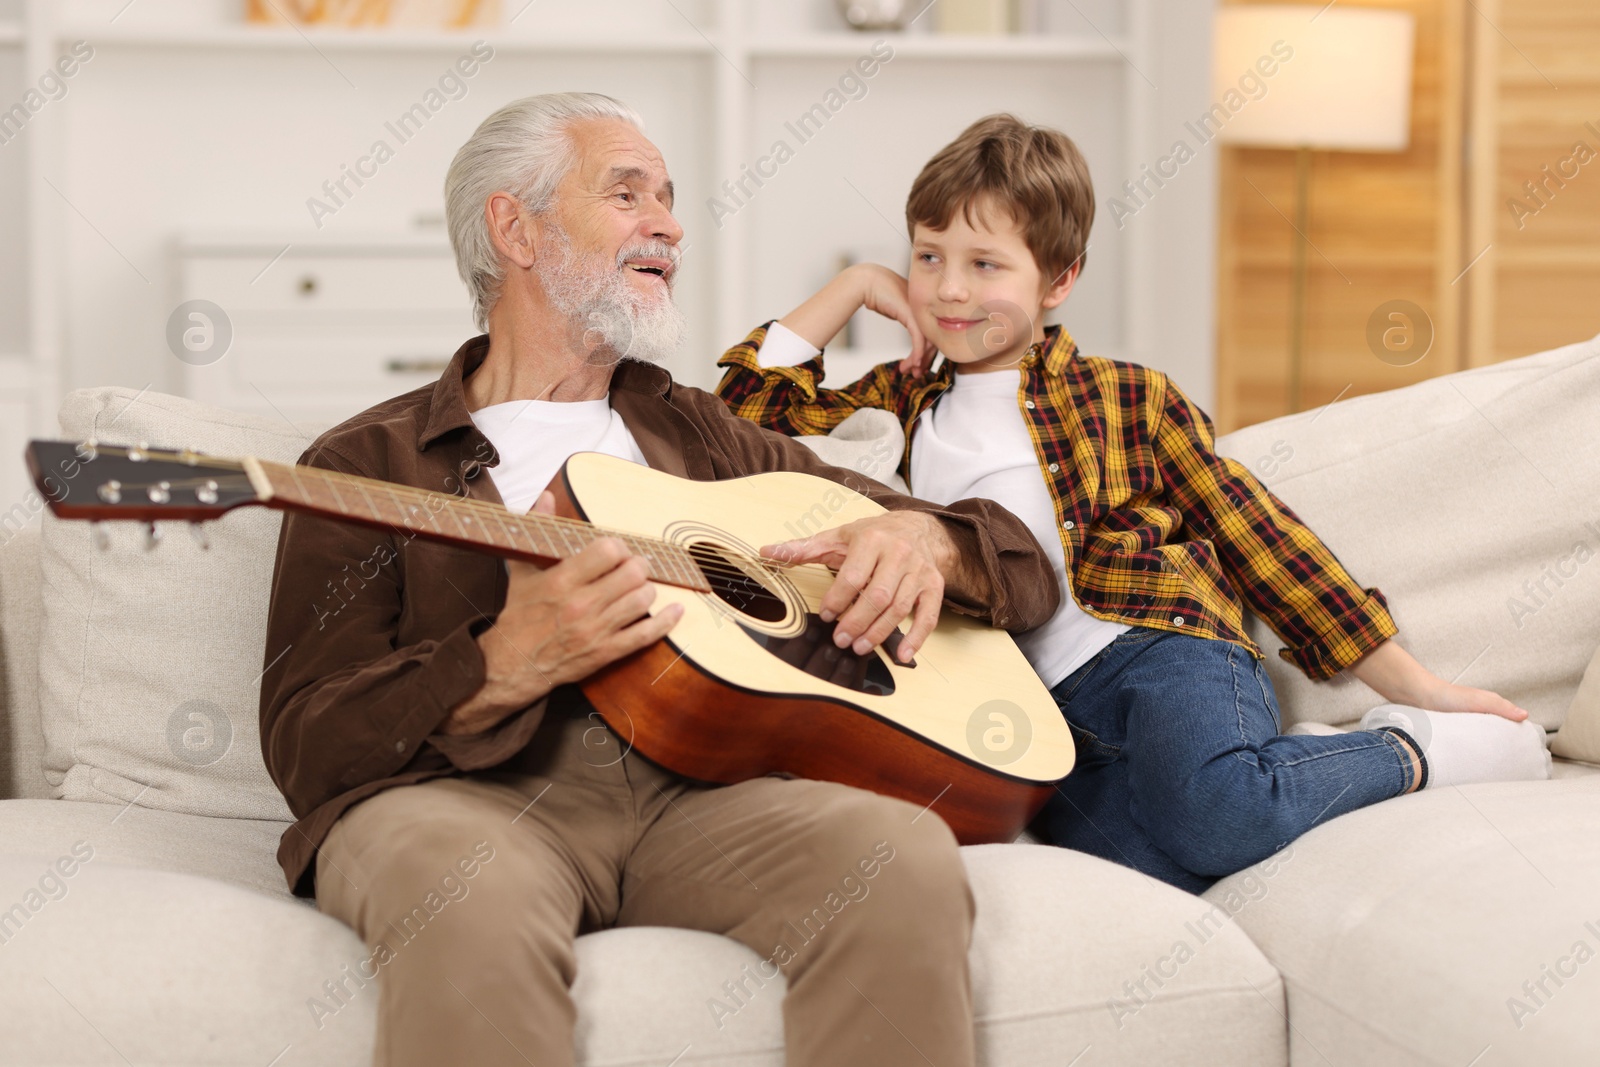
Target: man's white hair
(524, 149)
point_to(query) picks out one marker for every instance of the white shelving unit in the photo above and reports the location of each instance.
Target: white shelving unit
(189, 120)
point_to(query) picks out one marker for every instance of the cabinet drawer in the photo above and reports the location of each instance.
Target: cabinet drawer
(410, 281)
(385, 362)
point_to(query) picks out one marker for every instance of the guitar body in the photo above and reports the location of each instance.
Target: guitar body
(748, 683)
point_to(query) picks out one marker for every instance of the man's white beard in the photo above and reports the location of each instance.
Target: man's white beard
(610, 319)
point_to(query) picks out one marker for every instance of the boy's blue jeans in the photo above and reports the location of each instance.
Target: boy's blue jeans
(1181, 771)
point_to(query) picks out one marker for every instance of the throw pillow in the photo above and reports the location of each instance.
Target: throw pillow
(150, 656)
(869, 442)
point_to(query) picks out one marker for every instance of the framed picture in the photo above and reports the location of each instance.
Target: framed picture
(414, 14)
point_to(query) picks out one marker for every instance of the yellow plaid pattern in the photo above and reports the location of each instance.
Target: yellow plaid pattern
(1158, 530)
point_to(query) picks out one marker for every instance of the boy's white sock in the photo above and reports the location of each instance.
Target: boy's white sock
(1464, 747)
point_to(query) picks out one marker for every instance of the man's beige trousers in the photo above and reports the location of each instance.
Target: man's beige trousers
(468, 891)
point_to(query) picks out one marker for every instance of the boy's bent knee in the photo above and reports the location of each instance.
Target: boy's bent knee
(1214, 847)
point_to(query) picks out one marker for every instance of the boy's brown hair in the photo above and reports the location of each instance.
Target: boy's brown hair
(1033, 173)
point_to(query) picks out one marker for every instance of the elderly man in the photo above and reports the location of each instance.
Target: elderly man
(460, 805)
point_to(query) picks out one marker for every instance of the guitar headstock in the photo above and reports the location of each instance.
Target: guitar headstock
(95, 481)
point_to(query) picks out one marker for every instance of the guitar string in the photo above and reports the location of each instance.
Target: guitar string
(500, 513)
(414, 495)
(577, 526)
(452, 502)
(709, 566)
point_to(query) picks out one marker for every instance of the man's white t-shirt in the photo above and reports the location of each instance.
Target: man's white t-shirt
(974, 442)
(535, 437)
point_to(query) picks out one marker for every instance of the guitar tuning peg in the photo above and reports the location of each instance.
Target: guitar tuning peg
(198, 532)
(152, 535)
(102, 540)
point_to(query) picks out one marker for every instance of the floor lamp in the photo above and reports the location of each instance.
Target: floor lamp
(1312, 78)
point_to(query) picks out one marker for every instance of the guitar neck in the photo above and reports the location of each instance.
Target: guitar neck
(469, 523)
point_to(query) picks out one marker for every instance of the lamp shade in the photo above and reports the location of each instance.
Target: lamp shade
(1339, 77)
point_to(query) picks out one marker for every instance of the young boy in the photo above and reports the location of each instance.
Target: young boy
(1159, 542)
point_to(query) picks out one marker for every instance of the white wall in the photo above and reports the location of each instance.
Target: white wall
(1180, 222)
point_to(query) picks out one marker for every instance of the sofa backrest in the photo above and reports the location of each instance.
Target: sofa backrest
(1469, 500)
(21, 620)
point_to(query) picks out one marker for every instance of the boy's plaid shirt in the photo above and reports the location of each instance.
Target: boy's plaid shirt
(1158, 529)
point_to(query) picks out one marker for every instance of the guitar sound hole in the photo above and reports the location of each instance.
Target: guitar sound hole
(735, 588)
(812, 650)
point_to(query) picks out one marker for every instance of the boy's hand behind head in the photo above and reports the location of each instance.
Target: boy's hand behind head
(884, 291)
(868, 285)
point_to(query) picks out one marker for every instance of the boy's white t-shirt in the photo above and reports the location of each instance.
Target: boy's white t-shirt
(535, 437)
(974, 442)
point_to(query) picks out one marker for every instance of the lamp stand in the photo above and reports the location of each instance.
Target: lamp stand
(1297, 298)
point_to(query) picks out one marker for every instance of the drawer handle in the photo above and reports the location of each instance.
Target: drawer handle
(416, 365)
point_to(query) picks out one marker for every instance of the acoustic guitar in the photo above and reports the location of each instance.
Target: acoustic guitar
(748, 682)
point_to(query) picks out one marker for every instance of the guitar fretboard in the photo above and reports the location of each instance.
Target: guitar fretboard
(451, 518)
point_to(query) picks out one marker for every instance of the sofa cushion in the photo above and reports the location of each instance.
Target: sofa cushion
(168, 967)
(1074, 956)
(123, 965)
(1059, 938)
(1469, 501)
(240, 851)
(1421, 930)
(150, 657)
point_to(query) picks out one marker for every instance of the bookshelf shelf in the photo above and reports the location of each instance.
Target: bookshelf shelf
(243, 36)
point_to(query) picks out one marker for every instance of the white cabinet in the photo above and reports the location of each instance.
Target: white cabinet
(320, 331)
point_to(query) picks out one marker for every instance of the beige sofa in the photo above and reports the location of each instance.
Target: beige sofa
(144, 919)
